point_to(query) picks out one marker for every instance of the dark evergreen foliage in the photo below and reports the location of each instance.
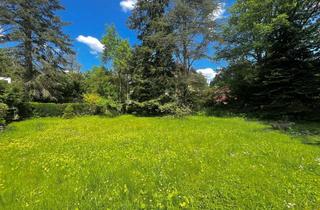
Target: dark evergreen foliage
(274, 57)
(152, 63)
(37, 30)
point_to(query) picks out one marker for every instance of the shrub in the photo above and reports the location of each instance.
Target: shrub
(147, 108)
(46, 109)
(174, 109)
(25, 110)
(69, 112)
(79, 109)
(102, 105)
(12, 94)
(92, 98)
(3, 112)
(155, 108)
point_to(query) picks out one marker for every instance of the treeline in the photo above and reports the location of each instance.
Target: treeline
(272, 48)
(155, 77)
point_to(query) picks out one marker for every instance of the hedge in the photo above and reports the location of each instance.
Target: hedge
(79, 109)
(67, 110)
(35, 109)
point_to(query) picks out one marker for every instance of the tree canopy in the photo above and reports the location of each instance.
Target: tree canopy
(37, 30)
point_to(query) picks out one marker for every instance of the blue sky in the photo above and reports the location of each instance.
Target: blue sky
(88, 20)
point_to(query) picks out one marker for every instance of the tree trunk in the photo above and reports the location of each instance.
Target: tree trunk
(29, 71)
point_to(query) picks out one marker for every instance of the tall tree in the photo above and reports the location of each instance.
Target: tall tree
(118, 52)
(37, 30)
(193, 24)
(279, 42)
(153, 65)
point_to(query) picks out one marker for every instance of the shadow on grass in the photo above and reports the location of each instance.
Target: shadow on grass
(307, 131)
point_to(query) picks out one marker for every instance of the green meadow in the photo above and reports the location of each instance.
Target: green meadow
(132, 162)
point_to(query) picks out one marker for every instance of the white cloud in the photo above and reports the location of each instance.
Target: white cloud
(208, 73)
(218, 13)
(95, 45)
(128, 5)
(1, 32)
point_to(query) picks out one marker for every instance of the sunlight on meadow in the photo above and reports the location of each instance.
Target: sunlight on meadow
(153, 163)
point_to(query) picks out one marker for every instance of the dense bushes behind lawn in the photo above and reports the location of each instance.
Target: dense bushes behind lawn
(68, 110)
(3, 113)
(45, 109)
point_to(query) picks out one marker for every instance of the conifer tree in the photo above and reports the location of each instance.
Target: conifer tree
(37, 32)
(279, 43)
(152, 63)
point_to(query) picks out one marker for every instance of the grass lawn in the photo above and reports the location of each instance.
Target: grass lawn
(152, 163)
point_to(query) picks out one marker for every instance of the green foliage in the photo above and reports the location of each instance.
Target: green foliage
(12, 94)
(173, 34)
(102, 105)
(110, 41)
(146, 108)
(93, 99)
(37, 30)
(99, 81)
(3, 112)
(118, 52)
(93, 105)
(66, 110)
(79, 109)
(152, 163)
(122, 72)
(175, 110)
(193, 29)
(9, 67)
(195, 93)
(69, 112)
(273, 51)
(152, 63)
(45, 109)
(56, 86)
(155, 108)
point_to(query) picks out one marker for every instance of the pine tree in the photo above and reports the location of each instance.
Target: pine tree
(279, 40)
(37, 30)
(152, 63)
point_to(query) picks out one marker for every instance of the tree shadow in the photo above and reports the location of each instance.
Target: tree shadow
(308, 132)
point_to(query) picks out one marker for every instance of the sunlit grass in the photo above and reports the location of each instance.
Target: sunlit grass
(129, 163)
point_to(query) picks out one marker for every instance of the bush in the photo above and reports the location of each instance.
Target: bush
(147, 108)
(78, 109)
(12, 94)
(155, 108)
(92, 98)
(102, 105)
(174, 109)
(69, 112)
(46, 109)
(3, 112)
